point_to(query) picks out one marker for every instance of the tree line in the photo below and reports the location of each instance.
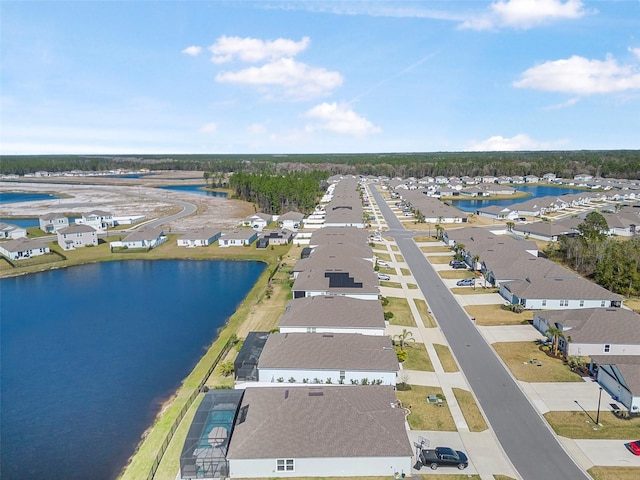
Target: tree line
(610, 262)
(276, 194)
(606, 163)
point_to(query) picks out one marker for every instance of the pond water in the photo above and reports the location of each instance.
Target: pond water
(22, 222)
(15, 197)
(535, 191)
(89, 353)
(194, 189)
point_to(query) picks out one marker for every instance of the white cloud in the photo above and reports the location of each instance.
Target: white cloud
(635, 51)
(208, 128)
(193, 50)
(581, 76)
(558, 106)
(297, 79)
(255, 50)
(340, 118)
(257, 129)
(525, 14)
(518, 142)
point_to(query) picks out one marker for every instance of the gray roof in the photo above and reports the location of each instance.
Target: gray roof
(148, 233)
(339, 235)
(52, 216)
(320, 422)
(240, 234)
(292, 216)
(597, 325)
(628, 366)
(22, 244)
(547, 229)
(558, 283)
(333, 311)
(77, 228)
(329, 351)
(432, 207)
(358, 274)
(201, 234)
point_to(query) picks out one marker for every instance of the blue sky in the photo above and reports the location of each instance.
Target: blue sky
(318, 76)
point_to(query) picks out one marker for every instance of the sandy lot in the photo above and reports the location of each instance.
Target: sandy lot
(127, 197)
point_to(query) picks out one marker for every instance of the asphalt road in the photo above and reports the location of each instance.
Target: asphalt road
(531, 446)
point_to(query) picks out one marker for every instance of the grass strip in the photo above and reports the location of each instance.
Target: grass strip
(446, 358)
(470, 411)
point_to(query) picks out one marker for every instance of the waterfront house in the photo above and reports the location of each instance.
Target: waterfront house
(51, 222)
(281, 237)
(77, 236)
(332, 314)
(23, 248)
(332, 358)
(283, 431)
(237, 238)
(97, 219)
(199, 238)
(11, 231)
(144, 238)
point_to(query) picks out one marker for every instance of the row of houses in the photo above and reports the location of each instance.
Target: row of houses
(589, 317)
(315, 398)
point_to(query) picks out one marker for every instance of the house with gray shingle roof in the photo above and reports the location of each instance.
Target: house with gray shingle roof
(620, 376)
(593, 331)
(291, 220)
(319, 431)
(77, 236)
(23, 248)
(241, 237)
(143, 238)
(331, 314)
(51, 222)
(547, 231)
(199, 238)
(345, 358)
(9, 230)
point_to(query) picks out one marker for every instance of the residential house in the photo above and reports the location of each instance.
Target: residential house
(77, 236)
(332, 314)
(258, 221)
(11, 231)
(237, 238)
(284, 432)
(593, 331)
(202, 237)
(143, 238)
(23, 248)
(531, 179)
(51, 222)
(291, 221)
(497, 212)
(620, 376)
(546, 231)
(97, 219)
(281, 237)
(338, 358)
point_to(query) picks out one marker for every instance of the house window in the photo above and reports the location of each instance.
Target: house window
(607, 347)
(544, 302)
(602, 303)
(342, 374)
(284, 465)
(564, 303)
(311, 329)
(582, 303)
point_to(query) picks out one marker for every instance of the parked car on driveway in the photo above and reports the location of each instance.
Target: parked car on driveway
(443, 456)
(633, 447)
(383, 276)
(466, 282)
(458, 264)
(382, 263)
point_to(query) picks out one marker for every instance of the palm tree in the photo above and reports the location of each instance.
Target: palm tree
(510, 226)
(404, 337)
(439, 230)
(554, 333)
(475, 259)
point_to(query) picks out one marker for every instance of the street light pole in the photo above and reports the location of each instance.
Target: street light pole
(598, 413)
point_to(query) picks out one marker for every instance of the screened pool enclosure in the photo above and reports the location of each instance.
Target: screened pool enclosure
(205, 448)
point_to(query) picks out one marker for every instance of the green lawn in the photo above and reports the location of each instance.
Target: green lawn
(384, 283)
(440, 260)
(614, 473)
(446, 358)
(401, 312)
(426, 416)
(492, 315)
(435, 249)
(417, 358)
(518, 357)
(580, 425)
(427, 318)
(470, 410)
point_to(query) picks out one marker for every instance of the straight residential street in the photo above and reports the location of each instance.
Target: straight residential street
(531, 446)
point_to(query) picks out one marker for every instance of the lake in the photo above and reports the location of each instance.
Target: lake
(22, 222)
(535, 191)
(13, 197)
(89, 353)
(194, 189)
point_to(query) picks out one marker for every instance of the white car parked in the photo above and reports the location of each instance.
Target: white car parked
(382, 263)
(383, 276)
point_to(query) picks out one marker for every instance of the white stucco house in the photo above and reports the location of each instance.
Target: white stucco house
(237, 238)
(620, 376)
(23, 248)
(11, 231)
(199, 238)
(51, 222)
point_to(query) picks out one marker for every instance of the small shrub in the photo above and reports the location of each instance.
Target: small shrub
(385, 301)
(402, 355)
(280, 379)
(292, 380)
(388, 315)
(354, 382)
(364, 381)
(305, 380)
(329, 381)
(317, 380)
(403, 387)
(226, 368)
